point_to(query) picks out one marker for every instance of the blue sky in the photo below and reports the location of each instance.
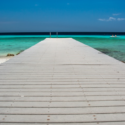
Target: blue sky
(62, 15)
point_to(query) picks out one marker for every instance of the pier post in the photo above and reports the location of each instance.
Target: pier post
(50, 34)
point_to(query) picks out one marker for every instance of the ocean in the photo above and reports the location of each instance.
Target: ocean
(16, 44)
(114, 47)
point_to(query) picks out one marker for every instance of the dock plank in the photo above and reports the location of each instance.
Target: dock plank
(62, 81)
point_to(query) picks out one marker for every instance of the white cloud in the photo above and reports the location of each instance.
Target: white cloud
(112, 19)
(102, 19)
(109, 19)
(116, 14)
(120, 19)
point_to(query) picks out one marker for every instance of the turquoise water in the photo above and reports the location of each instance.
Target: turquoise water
(15, 45)
(114, 47)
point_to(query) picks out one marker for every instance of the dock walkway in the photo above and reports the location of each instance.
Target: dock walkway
(62, 81)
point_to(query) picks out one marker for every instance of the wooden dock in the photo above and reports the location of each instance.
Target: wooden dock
(62, 82)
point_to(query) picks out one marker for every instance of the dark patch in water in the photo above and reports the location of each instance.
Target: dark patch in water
(106, 51)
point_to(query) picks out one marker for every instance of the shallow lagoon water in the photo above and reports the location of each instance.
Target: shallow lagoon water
(15, 45)
(114, 47)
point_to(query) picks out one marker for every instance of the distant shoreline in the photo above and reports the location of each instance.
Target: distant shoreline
(62, 33)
